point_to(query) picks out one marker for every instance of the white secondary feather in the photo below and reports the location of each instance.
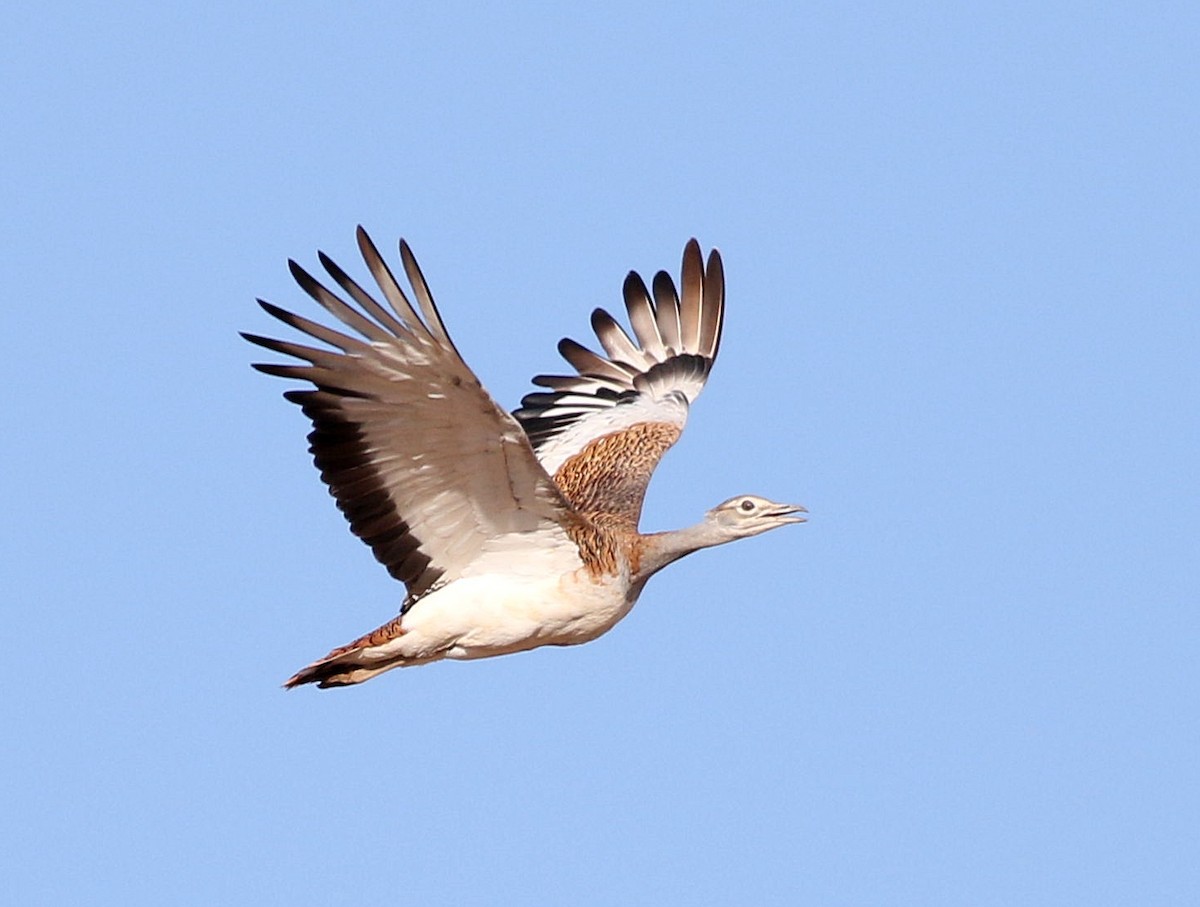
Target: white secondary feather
(632, 411)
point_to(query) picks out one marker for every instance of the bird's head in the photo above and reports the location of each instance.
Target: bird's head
(748, 514)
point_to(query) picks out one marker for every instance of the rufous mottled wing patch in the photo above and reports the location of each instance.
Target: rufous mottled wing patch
(611, 473)
(605, 483)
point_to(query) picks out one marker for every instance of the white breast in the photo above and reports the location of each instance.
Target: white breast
(481, 616)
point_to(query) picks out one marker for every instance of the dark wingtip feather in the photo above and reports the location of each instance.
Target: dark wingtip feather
(420, 285)
(273, 310)
(635, 286)
(259, 340)
(366, 246)
(298, 273)
(714, 283)
(600, 319)
(675, 335)
(307, 282)
(297, 372)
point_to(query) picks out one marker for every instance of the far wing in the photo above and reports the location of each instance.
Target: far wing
(428, 469)
(601, 432)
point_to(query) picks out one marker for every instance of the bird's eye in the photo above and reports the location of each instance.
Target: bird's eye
(747, 505)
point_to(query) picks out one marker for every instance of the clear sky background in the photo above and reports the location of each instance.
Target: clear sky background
(963, 329)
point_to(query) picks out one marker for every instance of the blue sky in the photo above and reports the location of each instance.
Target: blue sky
(962, 329)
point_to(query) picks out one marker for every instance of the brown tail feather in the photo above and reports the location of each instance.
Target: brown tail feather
(346, 665)
(336, 673)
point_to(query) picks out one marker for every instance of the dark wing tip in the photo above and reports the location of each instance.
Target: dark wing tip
(366, 246)
(259, 340)
(568, 347)
(635, 287)
(600, 319)
(273, 310)
(307, 282)
(714, 285)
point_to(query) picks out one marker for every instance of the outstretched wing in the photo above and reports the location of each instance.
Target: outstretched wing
(601, 433)
(428, 469)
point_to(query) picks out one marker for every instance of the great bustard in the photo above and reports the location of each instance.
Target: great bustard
(509, 531)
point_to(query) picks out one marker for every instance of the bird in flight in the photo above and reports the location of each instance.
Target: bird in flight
(509, 531)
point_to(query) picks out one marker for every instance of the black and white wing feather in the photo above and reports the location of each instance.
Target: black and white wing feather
(650, 379)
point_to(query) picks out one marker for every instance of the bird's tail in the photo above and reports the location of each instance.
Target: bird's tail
(357, 661)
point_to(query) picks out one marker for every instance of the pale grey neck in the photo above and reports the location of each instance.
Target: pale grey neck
(662, 548)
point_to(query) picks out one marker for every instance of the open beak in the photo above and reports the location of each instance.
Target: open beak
(789, 513)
